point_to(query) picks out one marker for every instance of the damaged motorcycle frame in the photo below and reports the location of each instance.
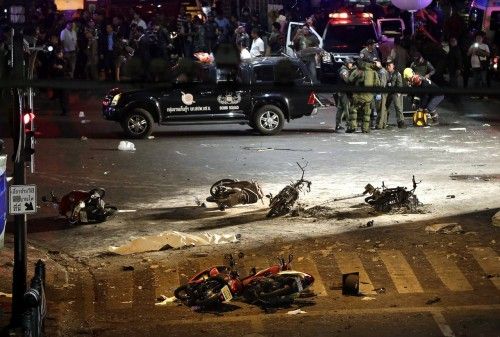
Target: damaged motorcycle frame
(385, 199)
(228, 193)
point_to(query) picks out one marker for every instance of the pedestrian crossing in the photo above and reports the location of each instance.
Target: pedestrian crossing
(394, 264)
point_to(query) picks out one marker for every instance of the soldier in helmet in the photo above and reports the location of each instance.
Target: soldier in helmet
(364, 76)
(344, 98)
(393, 100)
(428, 102)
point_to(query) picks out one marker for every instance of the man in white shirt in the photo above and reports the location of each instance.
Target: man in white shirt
(479, 54)
(69, 45)
(139, 22)
(258, 47)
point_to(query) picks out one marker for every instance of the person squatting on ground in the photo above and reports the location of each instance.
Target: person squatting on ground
(421, 66)
(429, 102)
(393, 100)
(344, 98)
(364, 76)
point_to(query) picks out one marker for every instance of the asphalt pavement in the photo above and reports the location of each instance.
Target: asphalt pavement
(457, 162)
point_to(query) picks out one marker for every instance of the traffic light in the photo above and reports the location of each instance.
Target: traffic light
(29, 135)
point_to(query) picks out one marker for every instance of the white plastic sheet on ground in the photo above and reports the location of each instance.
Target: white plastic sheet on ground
(172, 240)
(126, 146)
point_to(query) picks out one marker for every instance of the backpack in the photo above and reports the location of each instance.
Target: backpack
(371, 78)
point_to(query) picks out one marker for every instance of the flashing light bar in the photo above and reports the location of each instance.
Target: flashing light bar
(344, 15)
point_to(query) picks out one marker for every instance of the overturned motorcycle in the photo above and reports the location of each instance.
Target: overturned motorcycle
(386, 199)
(274, 285)
(228, 193)
(83, 206)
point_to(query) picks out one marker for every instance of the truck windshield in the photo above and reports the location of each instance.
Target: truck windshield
(347, 38)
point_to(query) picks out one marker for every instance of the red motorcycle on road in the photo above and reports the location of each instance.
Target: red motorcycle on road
(273, 285)
(83, 206)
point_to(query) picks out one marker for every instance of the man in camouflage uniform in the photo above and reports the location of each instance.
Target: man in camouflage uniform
(344, 98)
(393, 100)
(380, 99)
(364, 76)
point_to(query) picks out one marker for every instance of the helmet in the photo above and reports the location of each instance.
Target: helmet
(420, 118)
(348, 60)
(407, 73)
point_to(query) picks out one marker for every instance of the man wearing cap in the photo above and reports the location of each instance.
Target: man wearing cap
(344, 98)
(369, 52)
(421, 66)
(393, 100)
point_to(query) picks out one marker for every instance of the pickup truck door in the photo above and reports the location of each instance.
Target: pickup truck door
(391, 27)
(292, 30)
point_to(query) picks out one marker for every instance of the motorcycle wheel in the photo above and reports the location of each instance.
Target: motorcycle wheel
(214, 187)
(282, 203)
(210, 292)
(100, 191)
(272, 290)
(181, 293)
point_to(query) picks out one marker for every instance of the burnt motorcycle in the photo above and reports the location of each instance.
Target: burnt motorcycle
(386, 199)
(284, 201)
(231, 192)
(83, 206)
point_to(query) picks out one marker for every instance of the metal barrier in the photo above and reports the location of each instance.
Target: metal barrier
(35, 304)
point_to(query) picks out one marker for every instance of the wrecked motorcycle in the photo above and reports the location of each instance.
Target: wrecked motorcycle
(83, 206)
(231, 192)
(283, 202)
(217, 284)
(385, 199)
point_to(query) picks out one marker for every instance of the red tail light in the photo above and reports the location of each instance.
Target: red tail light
(28, 117)
(312, 99)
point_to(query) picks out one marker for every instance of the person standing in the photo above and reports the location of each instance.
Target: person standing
(69, 44)
(479, 53)
(380, 99)
(258, 48)
(370, 52)
(59, 70)
(344, 98)
(92, 53)
(454, 62)
(363, 76)
(107, 53)
(399, 55)
(276, 40)
(303, 42)
(393, 100)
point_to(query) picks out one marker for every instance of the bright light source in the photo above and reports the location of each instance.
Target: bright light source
(28, 117)
(339, 15)
(50, 48)
(159, 6)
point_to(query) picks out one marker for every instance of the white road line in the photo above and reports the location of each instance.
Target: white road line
(350, 262)
(307, 265)
(489, 261)
(447, 271)
(400, 272)
(442, 324)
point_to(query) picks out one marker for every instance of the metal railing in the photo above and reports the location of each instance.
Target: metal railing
(35, 305)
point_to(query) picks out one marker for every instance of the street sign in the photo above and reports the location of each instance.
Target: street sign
(22, 199)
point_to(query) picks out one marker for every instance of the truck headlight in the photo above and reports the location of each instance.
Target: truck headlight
(115, 100)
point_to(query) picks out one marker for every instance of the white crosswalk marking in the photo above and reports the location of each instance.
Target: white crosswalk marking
(489, 262)
(350, 262)
(447, 271)
(307, 265)
(400, 272)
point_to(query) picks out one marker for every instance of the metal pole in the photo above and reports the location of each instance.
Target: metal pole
(20, 247)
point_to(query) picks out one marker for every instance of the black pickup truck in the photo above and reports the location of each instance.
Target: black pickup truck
(253, 98)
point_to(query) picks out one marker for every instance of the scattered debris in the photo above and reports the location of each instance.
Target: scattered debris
(126, 211)
(180, 153)
(228, 193)
(84, 138)
(172, 240)
(385, 199)
(489, 276)
(5, 295)
(433, 300)
(126, 146)
(350, 284)
(85, 121)
(164, 300)
(261, 149)
(151, 137)
(81, 114)
(459, 129)
(368, 298)
(380, 290)
(495, 220)
(445, 228)
(368, 224)
(106, 173)
(154, 266)
(486, 125)
(451, 196)
(128, 268)
(475, 177)
(296, 312)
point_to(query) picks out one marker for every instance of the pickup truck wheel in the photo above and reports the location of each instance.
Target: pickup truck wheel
(269, 120)
(138, 124)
